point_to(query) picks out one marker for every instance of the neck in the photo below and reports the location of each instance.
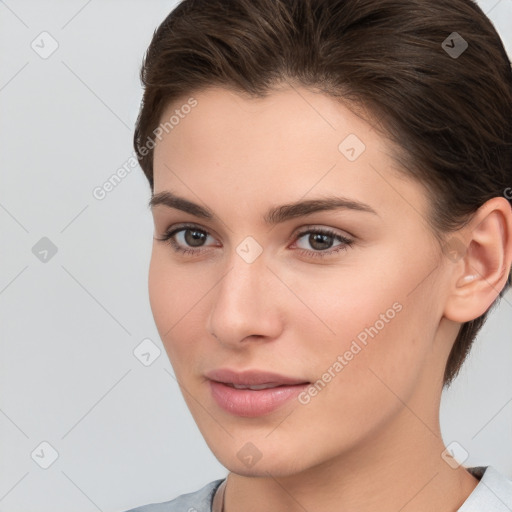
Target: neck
(389, 472)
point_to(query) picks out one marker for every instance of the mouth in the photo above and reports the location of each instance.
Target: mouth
(253, 388)
(252, 378)
(252, 393)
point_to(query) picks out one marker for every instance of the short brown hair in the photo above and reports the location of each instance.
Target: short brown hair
(449, 114)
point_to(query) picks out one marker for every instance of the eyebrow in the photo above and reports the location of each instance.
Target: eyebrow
(274, 215)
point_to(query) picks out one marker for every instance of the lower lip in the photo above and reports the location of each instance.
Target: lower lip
(249, 403)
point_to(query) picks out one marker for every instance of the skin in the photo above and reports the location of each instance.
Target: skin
(371, 439)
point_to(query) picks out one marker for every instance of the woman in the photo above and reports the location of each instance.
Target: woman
(331, 196)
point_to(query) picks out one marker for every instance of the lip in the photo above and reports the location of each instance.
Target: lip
(251, 377)
(252, 403)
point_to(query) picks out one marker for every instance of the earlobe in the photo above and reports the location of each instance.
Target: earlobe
(482, 268)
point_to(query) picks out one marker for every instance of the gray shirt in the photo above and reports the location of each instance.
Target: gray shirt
(492, 494)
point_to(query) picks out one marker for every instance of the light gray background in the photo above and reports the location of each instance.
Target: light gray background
(68, 327)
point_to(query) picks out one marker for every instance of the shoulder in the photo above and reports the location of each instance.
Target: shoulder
(492, 494)
(198, 501)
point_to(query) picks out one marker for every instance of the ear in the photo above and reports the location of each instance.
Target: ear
(481, 255)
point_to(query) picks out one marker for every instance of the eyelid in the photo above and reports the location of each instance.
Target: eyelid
(172, 231)
(302, 230)
(320, 227)
(187, 225)
(346, 241)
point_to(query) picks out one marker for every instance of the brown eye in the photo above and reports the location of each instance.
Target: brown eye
(184, 239)
(322, 239)
(194, 237)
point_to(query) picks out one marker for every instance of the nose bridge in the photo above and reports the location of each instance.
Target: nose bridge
(243, 305)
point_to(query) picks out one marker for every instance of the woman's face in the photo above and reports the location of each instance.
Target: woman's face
(344, 303)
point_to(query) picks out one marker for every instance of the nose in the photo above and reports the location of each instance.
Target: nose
(245, 305)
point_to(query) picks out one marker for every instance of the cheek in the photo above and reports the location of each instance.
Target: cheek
(171, 298)
(162, 302)
(378, 339)
(365, 375)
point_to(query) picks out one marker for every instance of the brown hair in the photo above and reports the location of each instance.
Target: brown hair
(446, 108)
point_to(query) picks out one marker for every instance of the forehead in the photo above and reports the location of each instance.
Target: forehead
(288, 114)
(292, 143)
(288, 124)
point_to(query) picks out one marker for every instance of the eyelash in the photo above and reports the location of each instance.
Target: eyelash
(168, 237)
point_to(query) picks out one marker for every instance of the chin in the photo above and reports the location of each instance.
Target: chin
(261, 459)
(275, 468)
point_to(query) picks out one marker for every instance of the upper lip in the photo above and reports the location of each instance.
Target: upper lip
(252, 377)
